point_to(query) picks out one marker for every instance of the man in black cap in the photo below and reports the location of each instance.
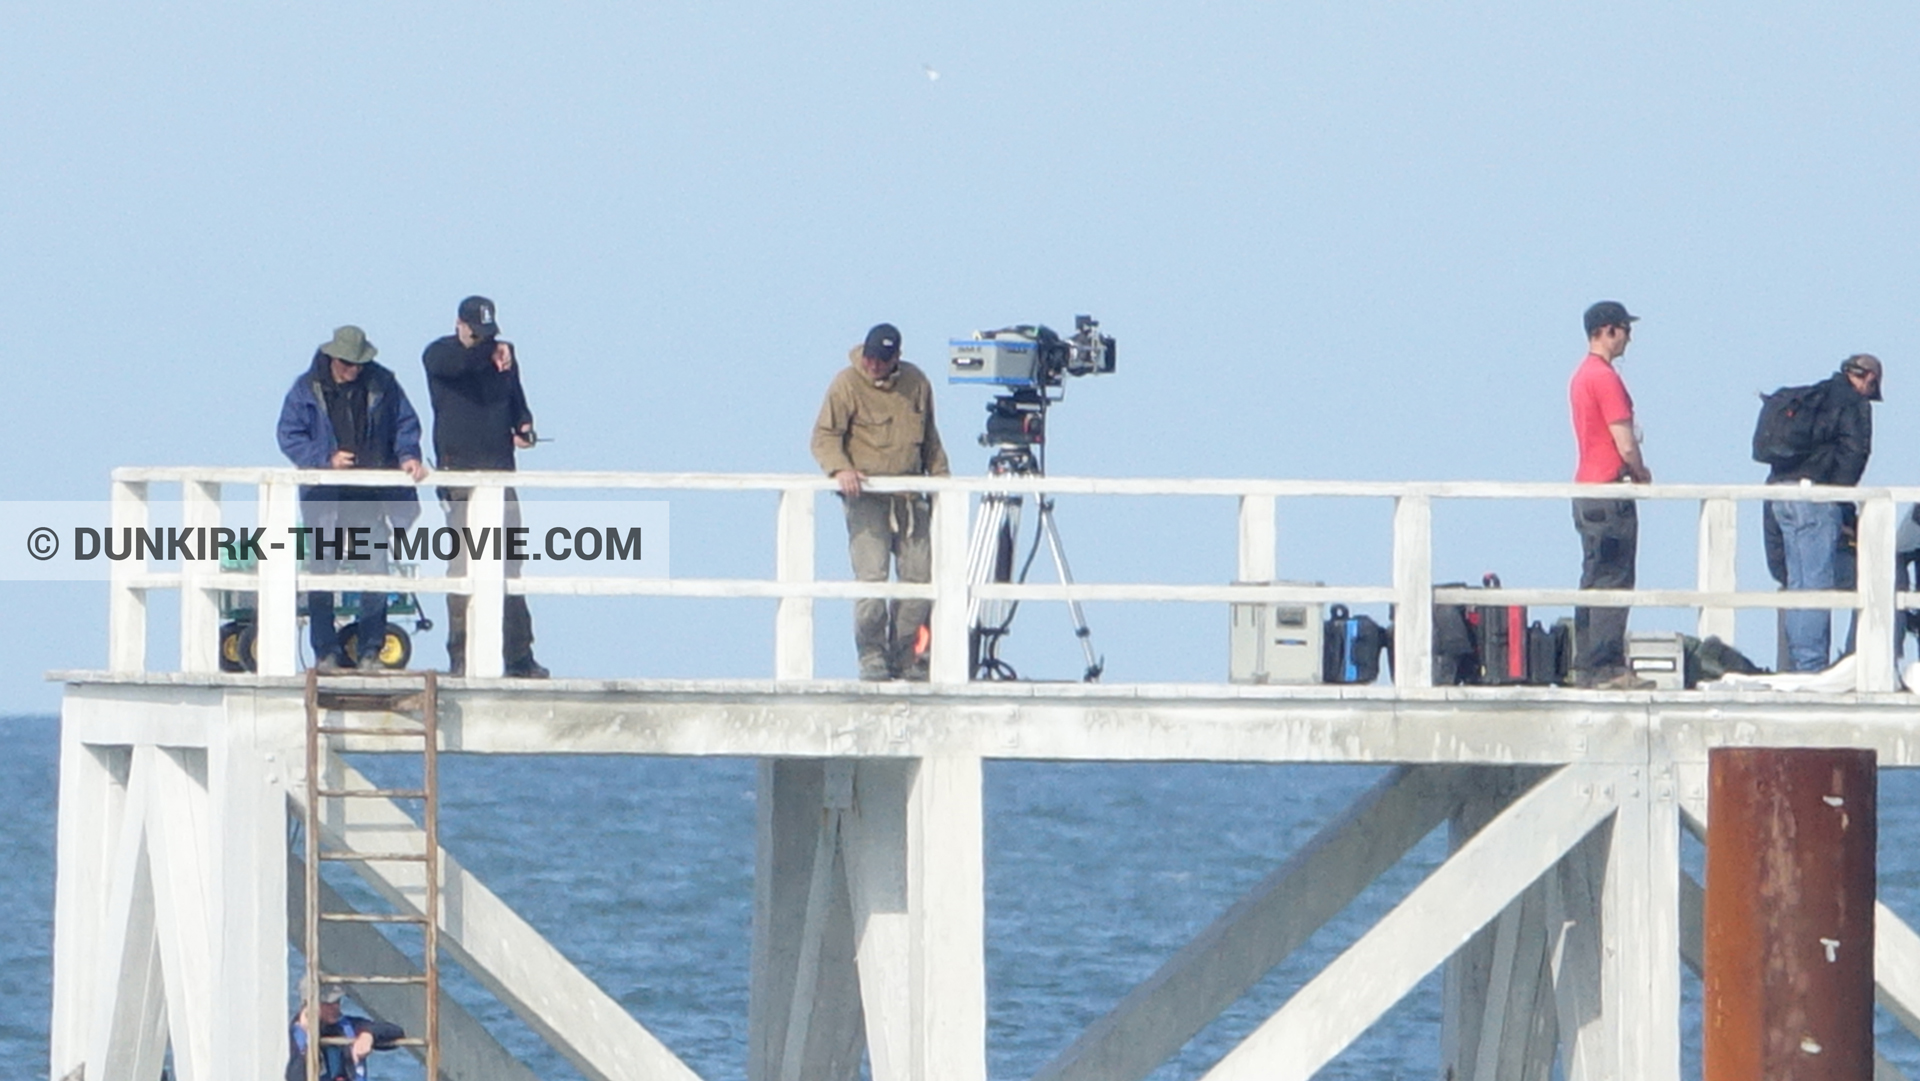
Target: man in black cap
(1814, 547)
(347, 412)
(480, 417)
(877, 421)
(1609, 528)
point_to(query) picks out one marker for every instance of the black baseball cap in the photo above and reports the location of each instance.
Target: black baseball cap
(1608, 313)
(883, 342)
(477, 312)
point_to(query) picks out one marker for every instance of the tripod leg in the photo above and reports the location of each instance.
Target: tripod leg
(990, 559)
(1081, 631)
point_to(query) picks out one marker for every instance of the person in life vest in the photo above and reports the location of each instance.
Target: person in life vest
(338, 1062)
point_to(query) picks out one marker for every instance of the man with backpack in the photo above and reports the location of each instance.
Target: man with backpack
(1609, 528)
(1816, 434)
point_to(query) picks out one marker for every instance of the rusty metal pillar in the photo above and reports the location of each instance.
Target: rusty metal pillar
(1789, 914)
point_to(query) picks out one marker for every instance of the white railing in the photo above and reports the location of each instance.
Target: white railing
(796, 587)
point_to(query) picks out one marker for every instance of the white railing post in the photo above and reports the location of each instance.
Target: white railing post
(487, 605)
(276, 625)
(1874, 568)
(794, 563)
(1413, 588)
(199, 608)
(1259, 547)
(949, 661)
(1718, 542)
(127, 602)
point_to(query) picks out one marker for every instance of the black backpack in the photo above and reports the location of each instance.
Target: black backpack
(1787, 429)
(1456, 642)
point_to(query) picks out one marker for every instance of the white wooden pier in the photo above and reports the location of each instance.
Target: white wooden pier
(1563, 915)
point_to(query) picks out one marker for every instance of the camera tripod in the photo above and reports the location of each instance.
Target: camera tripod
(990, 554)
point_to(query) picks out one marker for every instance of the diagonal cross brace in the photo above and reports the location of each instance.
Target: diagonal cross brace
(1263, 928)
(1461, 896)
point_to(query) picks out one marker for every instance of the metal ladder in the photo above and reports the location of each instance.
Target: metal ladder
(421, 693)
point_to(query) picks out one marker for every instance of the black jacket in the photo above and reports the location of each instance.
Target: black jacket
(1843, 439)
(476, 407)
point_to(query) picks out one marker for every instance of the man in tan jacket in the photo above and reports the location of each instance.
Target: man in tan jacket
(877, 421)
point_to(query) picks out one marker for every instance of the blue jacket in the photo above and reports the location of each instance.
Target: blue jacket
(392, 436)
(336, 1061)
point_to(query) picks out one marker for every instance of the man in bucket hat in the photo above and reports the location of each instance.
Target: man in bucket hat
(347, 412)
(877, 421)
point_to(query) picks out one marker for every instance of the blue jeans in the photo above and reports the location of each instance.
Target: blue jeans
(1810, 534)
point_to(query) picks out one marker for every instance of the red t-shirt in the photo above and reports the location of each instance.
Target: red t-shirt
(1599, 398)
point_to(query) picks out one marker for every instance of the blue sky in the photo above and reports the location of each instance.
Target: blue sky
(1335, 240)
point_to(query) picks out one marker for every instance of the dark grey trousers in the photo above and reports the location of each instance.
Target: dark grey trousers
(1609, 541)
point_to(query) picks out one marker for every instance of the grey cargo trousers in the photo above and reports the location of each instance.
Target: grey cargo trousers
(885, 533)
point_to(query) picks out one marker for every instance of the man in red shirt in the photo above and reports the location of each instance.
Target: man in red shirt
(1609, 528)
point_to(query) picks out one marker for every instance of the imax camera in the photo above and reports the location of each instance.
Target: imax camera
(1029, 361)
(1030, 356)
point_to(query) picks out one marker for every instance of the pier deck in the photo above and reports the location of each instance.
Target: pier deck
(1563, 916)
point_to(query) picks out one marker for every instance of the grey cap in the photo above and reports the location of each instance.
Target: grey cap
(350, 344)
(1866, 364)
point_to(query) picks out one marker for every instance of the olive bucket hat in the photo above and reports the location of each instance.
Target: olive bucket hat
(350, 344)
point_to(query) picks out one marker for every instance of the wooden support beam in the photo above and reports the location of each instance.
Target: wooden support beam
(1262, 929)
(794, 563)
(179, 843)
(1874, 559)
(1413, 588)
(803, 1006)
(247, 841)
(946, 879)
(1574, 906)
(1469, 972)
(92, 808)
(1510, 1046)
(1718, 541)
(199, 607)
(127, 1038)
(1640, 970)
(948, 663)
(1456, 900)
(486, 607)
(1497, 1020)
(127, 602)
(276, 615)
(1259, 540)
(874, 835)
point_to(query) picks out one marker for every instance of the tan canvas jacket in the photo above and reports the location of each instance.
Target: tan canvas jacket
(882, 430)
